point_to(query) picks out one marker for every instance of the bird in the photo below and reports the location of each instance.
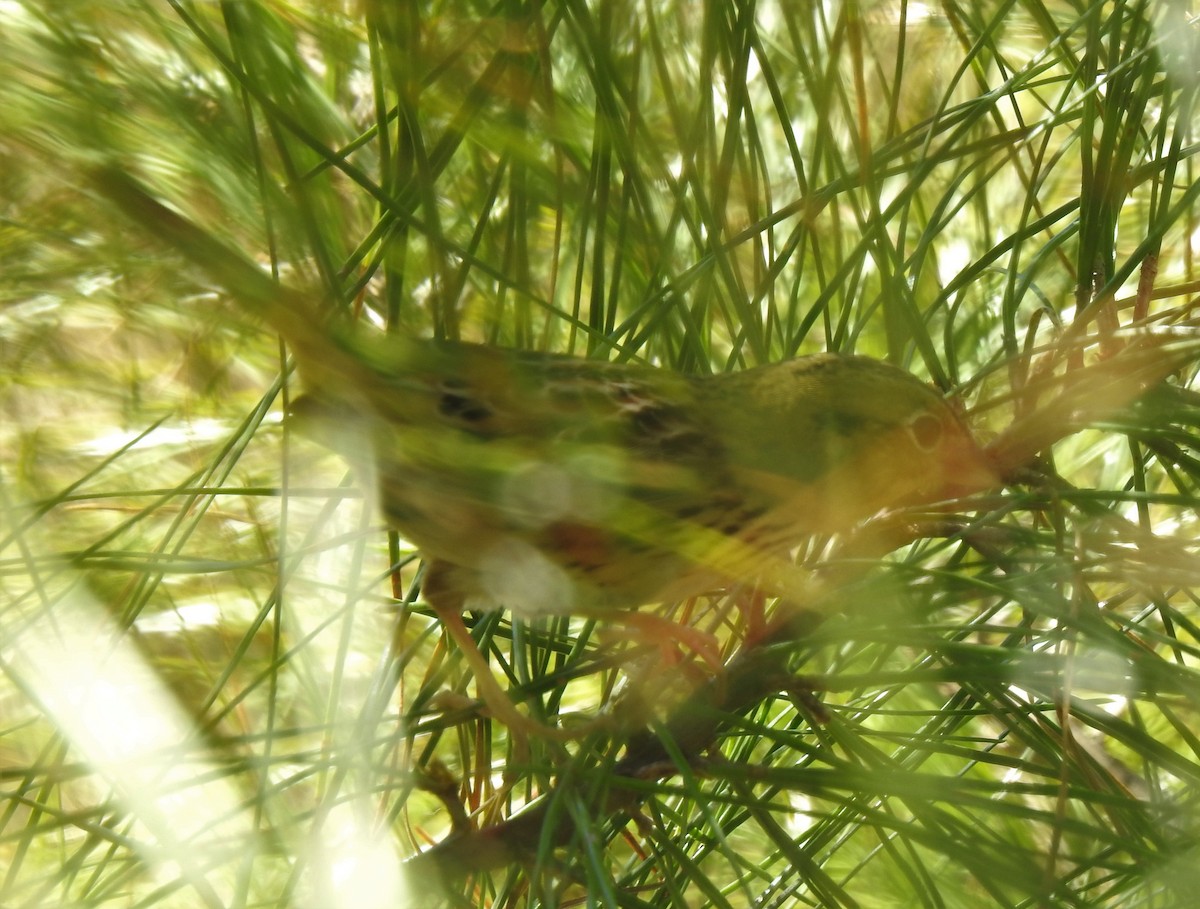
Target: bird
(551, 484)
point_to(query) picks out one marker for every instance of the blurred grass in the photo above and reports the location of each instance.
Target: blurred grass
(210, 695)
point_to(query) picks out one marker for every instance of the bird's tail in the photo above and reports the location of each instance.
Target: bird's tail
(335, 360)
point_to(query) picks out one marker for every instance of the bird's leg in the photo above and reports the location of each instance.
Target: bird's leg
(447, 602)
(660, 630)
(497, 701)
(441, 589)
(751, 604)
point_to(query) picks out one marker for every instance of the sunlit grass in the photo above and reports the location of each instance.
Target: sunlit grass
(215, 687)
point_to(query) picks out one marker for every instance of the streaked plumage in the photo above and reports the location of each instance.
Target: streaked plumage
(544, 483)
(553, 484)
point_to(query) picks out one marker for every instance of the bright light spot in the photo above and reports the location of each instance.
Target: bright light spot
(421, 295)
(11, 11)
(538, 494)
(514, 572)
(369, 878)
(869, 266)
(89, 284)
(1089, 671)
(1098, 670)
(753, 68)
(800, 819)
(356, 866)
(200, 431)
(768, 16)
(15, 318)
(1175, 33)
(113, 709)
(182, 618)
(952, 258)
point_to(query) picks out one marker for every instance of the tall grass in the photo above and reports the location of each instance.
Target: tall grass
(216, 686)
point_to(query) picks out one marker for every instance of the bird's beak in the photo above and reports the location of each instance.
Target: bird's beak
(966, 468)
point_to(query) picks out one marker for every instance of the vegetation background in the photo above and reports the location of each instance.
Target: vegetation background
(214, 690)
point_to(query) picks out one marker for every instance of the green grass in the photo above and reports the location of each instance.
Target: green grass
(213, 690)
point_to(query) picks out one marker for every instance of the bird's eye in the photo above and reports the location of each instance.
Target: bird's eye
(926, 431)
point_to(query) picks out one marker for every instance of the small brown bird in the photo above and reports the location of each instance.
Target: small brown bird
(551, 484)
